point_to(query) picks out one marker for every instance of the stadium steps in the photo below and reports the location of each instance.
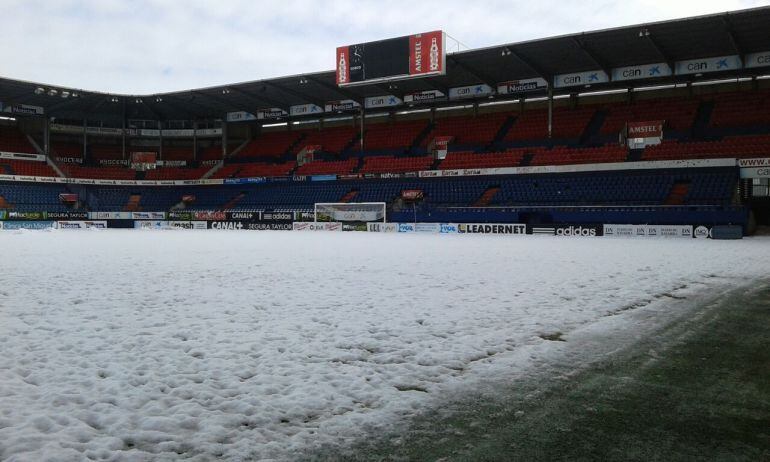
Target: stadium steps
(360, 165)
(4, 203)
(34, 144)
(594, 127)
(212, 170)
(678, 192)
(295, 145)
(421, 137)
(133, 203)
(503, 130)
(527, 159)
(487, 197)
(435, 164)
(349, 196)
(634, 155)
(351, 143)
(700, 125)
(54, 166)
(234, 201)
(238, 149)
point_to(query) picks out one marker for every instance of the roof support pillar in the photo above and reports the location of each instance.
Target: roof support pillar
(550, 112)
(123, 137)
(85, 137)
(160, 140)
(47, 136)
(195, 139)
(361, 114)
(224, 136)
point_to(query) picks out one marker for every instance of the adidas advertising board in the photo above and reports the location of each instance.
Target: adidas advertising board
(567, 230)
(277, 216)
(485, 228)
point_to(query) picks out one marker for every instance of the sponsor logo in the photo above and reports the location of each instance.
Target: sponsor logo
(277, 216)
(249, 216)
(82, 224)
(145, 224)
(187, 224)
(576, 231)
(382, 227)
(227, 225)
(326, 226)
(184, 216)
(427, 227)
(26, 215)
(702, 232)
(11, 225)
(67, 215)
(354, 227)
(481, 228)
(543, 230)
(269, 226)
(210, 216)
(148, 215)
(447, 228)
(405, 228)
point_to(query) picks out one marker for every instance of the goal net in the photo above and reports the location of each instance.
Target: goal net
(363, 212)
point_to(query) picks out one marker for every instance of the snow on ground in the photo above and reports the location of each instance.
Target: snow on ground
(127, 345)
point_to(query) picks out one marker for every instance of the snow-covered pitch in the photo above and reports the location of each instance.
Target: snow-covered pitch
(129, 345)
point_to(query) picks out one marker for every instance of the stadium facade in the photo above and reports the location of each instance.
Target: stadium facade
(653, 129)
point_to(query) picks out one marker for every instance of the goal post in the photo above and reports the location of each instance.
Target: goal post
(351, 212)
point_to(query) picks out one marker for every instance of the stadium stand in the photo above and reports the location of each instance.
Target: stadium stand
(25, 168)
(13, 140)
(393, 136)
(724, 115)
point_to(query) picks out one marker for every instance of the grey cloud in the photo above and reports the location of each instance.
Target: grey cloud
(148, 46)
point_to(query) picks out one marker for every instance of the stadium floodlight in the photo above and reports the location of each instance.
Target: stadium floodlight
(351, 212)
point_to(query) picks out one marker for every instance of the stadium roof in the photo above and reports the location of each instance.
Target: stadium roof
(729, 33)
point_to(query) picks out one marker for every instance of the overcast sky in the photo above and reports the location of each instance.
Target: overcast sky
(153, 46)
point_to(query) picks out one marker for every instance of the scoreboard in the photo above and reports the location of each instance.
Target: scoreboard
(410, 56)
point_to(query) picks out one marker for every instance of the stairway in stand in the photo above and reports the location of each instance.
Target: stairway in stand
(349, 196)
(233, 202)
(133, 203)
(486, 198)
(678, 193)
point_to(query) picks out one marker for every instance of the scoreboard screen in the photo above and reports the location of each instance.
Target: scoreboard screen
(403, 57)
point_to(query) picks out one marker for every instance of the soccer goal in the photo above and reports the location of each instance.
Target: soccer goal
(362, 212)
